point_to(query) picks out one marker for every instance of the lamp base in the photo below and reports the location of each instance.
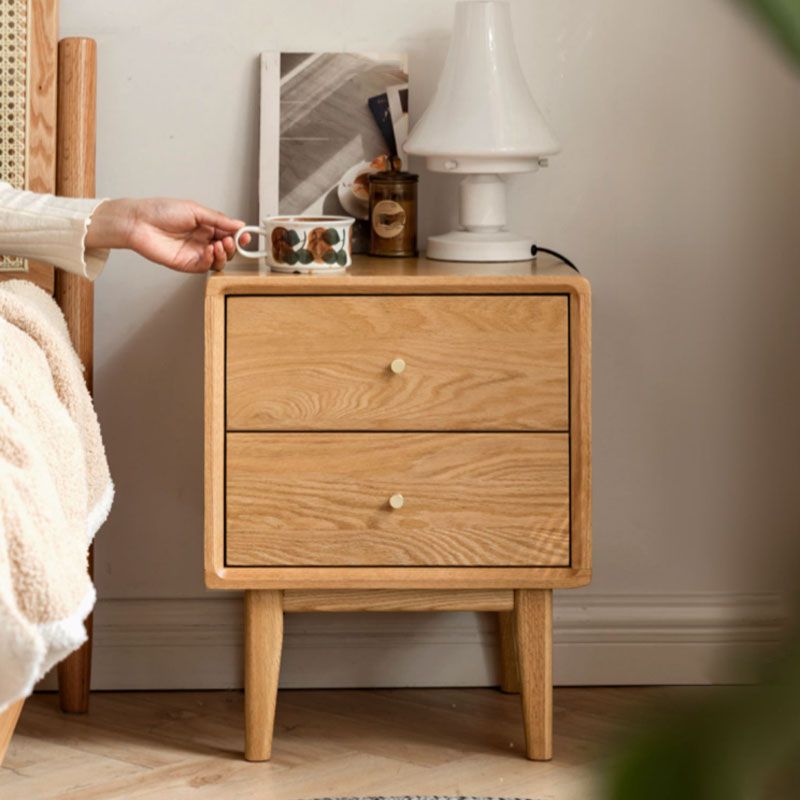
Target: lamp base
(479, 246)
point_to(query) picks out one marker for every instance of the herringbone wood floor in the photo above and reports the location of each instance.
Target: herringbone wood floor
(179, 745)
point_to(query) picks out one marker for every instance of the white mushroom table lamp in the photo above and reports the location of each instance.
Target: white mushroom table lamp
(482, 123)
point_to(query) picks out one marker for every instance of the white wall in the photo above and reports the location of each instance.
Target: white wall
(678, 193)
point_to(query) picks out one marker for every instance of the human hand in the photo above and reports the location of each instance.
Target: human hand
(178, 234)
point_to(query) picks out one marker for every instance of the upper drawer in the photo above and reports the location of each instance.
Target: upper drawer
(471, 363)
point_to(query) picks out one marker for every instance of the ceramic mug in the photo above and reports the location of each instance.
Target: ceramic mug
(303, 244)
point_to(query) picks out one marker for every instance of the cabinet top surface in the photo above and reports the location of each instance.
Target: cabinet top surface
(397, 275)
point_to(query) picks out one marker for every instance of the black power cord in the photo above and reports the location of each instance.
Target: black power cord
(536, 249)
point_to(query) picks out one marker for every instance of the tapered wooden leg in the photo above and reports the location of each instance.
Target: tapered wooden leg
(75, 671)
(533, 624)
(8, 721)
(263, 641)
(509, 671)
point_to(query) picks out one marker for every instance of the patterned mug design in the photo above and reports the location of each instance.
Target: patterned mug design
(303, 244)
(318, 246)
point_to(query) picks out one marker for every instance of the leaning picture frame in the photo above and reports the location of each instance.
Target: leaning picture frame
(329, 120)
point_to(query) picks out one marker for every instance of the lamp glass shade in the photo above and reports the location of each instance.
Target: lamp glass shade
(482, 116)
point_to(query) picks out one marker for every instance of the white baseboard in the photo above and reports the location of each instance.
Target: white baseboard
(599, 640)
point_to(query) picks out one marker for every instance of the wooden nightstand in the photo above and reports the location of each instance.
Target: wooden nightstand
(410, 435)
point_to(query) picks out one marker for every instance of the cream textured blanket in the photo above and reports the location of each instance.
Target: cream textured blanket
(55, 489)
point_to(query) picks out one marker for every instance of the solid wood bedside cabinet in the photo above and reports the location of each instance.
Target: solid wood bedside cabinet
(411, 435)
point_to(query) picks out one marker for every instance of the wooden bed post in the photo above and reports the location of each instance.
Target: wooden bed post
(75, 177)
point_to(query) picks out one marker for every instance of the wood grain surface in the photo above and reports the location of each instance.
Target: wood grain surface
(77, 104)
(471, 363)
(8, 721)
(533, 628)
(75, 177)
(470, 499)
(509, 667)
(300, 600)
(219, 576)
(263, 644)
(214, 439)
(406, 277)
(330, 743)
(42, 112)
(581, 428)
(371, 275)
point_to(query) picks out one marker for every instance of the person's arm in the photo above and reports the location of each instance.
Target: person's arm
(178, 234)
(50, 229)
(77, 234)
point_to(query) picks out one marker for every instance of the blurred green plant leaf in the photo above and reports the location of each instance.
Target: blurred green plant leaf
(782, 17)
(738, 744)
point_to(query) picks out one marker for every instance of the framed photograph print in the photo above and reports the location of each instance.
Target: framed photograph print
(328, 120)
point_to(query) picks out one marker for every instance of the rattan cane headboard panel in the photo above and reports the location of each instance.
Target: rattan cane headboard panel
(14, 93)
(28, 59)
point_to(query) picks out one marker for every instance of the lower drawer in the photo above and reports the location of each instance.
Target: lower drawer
(307, 499)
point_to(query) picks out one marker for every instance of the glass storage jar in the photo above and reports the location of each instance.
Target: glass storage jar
(393, 214)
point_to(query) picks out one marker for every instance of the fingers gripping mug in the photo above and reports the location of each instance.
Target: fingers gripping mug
(303, 244)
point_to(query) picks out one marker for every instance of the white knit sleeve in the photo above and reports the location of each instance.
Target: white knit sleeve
(50, 229)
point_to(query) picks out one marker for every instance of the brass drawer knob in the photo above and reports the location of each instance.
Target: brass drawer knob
(397, 501)
(397, 366)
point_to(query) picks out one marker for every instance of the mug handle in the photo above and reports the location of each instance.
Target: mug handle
(249, 253)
